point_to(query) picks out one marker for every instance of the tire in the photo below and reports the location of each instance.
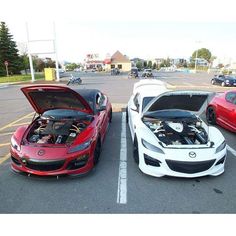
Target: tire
(127, 115)
(211, 115)
(212, 81)
(135, 151)
(110, 116)
(223, 84)
(97, 152)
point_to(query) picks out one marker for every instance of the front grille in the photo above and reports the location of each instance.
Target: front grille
(46, 165)
(15, 161)
(189, 167)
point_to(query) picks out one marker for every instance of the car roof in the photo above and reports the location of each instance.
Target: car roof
(149, 87)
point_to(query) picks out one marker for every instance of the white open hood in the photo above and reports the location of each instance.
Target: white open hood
(193, 101)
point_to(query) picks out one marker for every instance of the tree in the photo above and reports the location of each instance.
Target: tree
(145, 64)
(139, 64)
(202, 53)
(23, 51)
(72, 66)
(166, 63)
(149, 64)
(154, 66)
(8, 52)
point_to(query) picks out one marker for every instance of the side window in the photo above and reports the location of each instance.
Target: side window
(231, 97)
(100, 100)
(136, 100)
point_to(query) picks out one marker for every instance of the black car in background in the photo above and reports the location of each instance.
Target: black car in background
(224, 80)
(133, 73)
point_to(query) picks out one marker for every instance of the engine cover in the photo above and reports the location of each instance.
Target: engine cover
(177, 127)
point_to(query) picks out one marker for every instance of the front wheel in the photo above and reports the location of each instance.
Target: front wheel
(110, 116)
(127, 115)
(97, 152)
(223, 84)
(213, 81)
(135, 151)
(211, 115)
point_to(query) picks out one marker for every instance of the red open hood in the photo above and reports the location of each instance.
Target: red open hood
(48, 97)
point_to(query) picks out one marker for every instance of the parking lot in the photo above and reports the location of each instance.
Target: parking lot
(105, 189)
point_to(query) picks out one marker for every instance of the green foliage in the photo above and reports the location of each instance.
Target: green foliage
(166, 63)
(24, 63)
(8, 52)
(154, 66)
(18, 78)
(145, 64)
(72, 66)
(202, 53)
(139, 65)
(149, 65)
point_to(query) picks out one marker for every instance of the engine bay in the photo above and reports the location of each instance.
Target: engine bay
(178, 131)
(51, 131)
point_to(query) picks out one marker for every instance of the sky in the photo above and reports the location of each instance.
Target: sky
(147, 29)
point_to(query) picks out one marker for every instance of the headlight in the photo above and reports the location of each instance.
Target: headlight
(80, 147)
(221, 147)
(14, 144)
(151, 147)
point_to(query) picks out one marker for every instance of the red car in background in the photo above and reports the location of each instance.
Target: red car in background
(66, 136)
(222, 110)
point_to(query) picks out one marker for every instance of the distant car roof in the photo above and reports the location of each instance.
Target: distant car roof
(149, 87)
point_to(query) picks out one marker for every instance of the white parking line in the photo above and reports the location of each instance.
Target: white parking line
(231, 150)
(122, 179)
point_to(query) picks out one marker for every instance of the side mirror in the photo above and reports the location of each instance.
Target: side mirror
(102, 108)
(133, 108)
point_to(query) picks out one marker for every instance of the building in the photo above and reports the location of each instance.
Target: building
(118, 60)
(93, 61)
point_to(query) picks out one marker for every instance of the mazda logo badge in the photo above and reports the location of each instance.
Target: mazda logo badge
(24, 162)
(41, 152)
(192, 154)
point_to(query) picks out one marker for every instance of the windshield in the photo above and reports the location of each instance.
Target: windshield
(146, 100)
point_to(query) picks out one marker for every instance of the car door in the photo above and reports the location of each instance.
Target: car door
(230, 109)
(220, 79)
(134, 110)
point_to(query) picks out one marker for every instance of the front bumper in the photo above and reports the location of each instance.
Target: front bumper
(177, 163)
(72, 164)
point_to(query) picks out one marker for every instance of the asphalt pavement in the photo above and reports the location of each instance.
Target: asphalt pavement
(97, 191)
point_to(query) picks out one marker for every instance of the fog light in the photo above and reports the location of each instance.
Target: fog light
(151, 161)
(221, 161)
(79, 162)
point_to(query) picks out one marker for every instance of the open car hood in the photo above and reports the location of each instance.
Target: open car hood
(193, 101)
(48, 97)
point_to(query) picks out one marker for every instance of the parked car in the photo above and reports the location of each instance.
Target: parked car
(115, 71)
(222, 110)
(224, 80)
(133, 73)
(66, 136)
(147, 73)
(169, 138)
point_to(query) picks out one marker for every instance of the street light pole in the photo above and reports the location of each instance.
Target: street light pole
(29, 55)
(196, 62)
(196, 57)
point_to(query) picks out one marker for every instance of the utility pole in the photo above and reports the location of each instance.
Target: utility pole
(55, 50)
(196, 57)
(29, 55)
